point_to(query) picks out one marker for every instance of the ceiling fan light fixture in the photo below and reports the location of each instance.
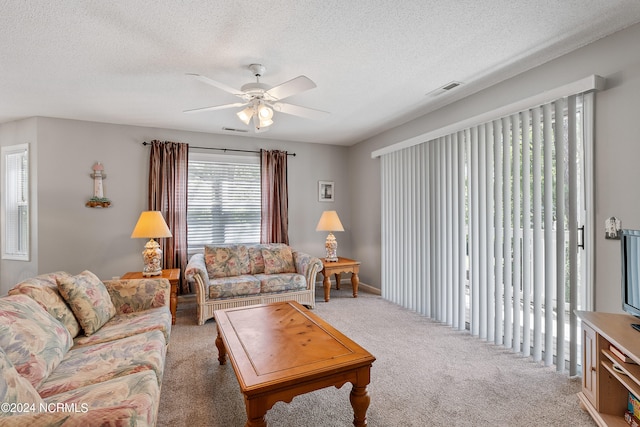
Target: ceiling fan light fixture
(245, 115)
(265, 112)
(265, 122)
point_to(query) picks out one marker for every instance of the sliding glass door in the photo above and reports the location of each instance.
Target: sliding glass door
(483, 229)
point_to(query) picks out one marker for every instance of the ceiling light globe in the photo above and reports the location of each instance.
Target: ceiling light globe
(265, 112)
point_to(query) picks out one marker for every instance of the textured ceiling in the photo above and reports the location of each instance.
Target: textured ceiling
(374, 61)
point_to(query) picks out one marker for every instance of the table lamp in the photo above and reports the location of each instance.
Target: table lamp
(330, 222)
(151, 224)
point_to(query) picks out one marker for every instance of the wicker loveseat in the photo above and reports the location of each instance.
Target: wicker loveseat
(228, 276)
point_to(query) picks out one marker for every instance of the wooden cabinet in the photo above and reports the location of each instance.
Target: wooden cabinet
(605, 391)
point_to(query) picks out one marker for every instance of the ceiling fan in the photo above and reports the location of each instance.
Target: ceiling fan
(261, 100)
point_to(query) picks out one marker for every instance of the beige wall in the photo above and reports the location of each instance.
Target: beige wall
(68, 236)
(617, 147)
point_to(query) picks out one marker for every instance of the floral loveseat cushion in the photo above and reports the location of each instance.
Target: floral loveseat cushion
(226, 261)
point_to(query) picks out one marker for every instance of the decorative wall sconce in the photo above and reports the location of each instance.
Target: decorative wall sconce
(98, 200)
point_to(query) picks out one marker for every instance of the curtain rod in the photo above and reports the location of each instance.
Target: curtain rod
(226, 149)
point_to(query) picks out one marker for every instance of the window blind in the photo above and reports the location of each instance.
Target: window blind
(479, 228)
(223, 204)
(16, 203)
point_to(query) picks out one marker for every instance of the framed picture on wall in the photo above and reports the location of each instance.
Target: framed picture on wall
(326, 191)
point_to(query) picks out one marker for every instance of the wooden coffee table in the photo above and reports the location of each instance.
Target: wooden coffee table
(281, 350)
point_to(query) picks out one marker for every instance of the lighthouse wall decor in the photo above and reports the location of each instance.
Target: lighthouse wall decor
(98, 200)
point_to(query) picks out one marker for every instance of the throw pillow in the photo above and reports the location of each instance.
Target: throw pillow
(278, 259)
(14, 388)
(226, 261)
(44, 290)
(89, 300)
(33, 340)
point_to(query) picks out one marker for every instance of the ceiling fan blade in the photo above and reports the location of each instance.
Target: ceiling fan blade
(297, 110)
(291, 87)
(219, 85)
(216, 107)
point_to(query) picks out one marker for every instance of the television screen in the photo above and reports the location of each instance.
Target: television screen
(630, 242)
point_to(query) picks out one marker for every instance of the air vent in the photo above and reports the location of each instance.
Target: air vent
(235, 130)
(449, 86)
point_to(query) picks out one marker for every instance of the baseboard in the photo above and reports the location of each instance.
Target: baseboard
(361, 286)
(369, 288)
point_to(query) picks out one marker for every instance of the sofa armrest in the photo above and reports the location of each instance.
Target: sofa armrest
(197, 266)
(132, 295)
(308, 266)
(196, 273)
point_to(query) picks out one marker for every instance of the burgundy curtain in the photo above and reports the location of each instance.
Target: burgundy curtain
(274, 223)
(168, 194)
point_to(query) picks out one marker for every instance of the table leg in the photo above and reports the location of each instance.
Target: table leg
(355, 281)
(327, 287)
(338, 279)
(173, 302)
(360, 400)
(222, 352)
(256, 411)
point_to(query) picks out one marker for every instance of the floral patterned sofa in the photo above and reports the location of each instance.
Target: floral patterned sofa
(75, 351)
(228, 276)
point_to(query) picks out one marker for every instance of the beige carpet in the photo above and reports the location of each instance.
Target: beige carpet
(426, 374)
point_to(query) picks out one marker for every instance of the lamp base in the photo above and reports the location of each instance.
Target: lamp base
(331, 248)
(152, 256)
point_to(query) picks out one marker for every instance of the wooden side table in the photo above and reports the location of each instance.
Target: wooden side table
(173, 275)
(343, 265)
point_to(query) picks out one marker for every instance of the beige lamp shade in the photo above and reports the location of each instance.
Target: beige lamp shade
(329, 221)
(151, 224)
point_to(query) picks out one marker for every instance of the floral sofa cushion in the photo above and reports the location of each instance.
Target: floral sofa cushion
(278, 259)
(285, 282)
(34, 341)
(14, 389)
(89, 300)
(101, 362)
(44, 290)
(256, 261)
(131, 400)
(230, 287)
(226, 261)
(129, 324)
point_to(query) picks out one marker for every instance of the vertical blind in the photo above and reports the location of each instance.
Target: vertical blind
(479, 228)
(223, 204)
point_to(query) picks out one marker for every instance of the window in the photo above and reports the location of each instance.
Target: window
(15, 212)
(223, 204)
